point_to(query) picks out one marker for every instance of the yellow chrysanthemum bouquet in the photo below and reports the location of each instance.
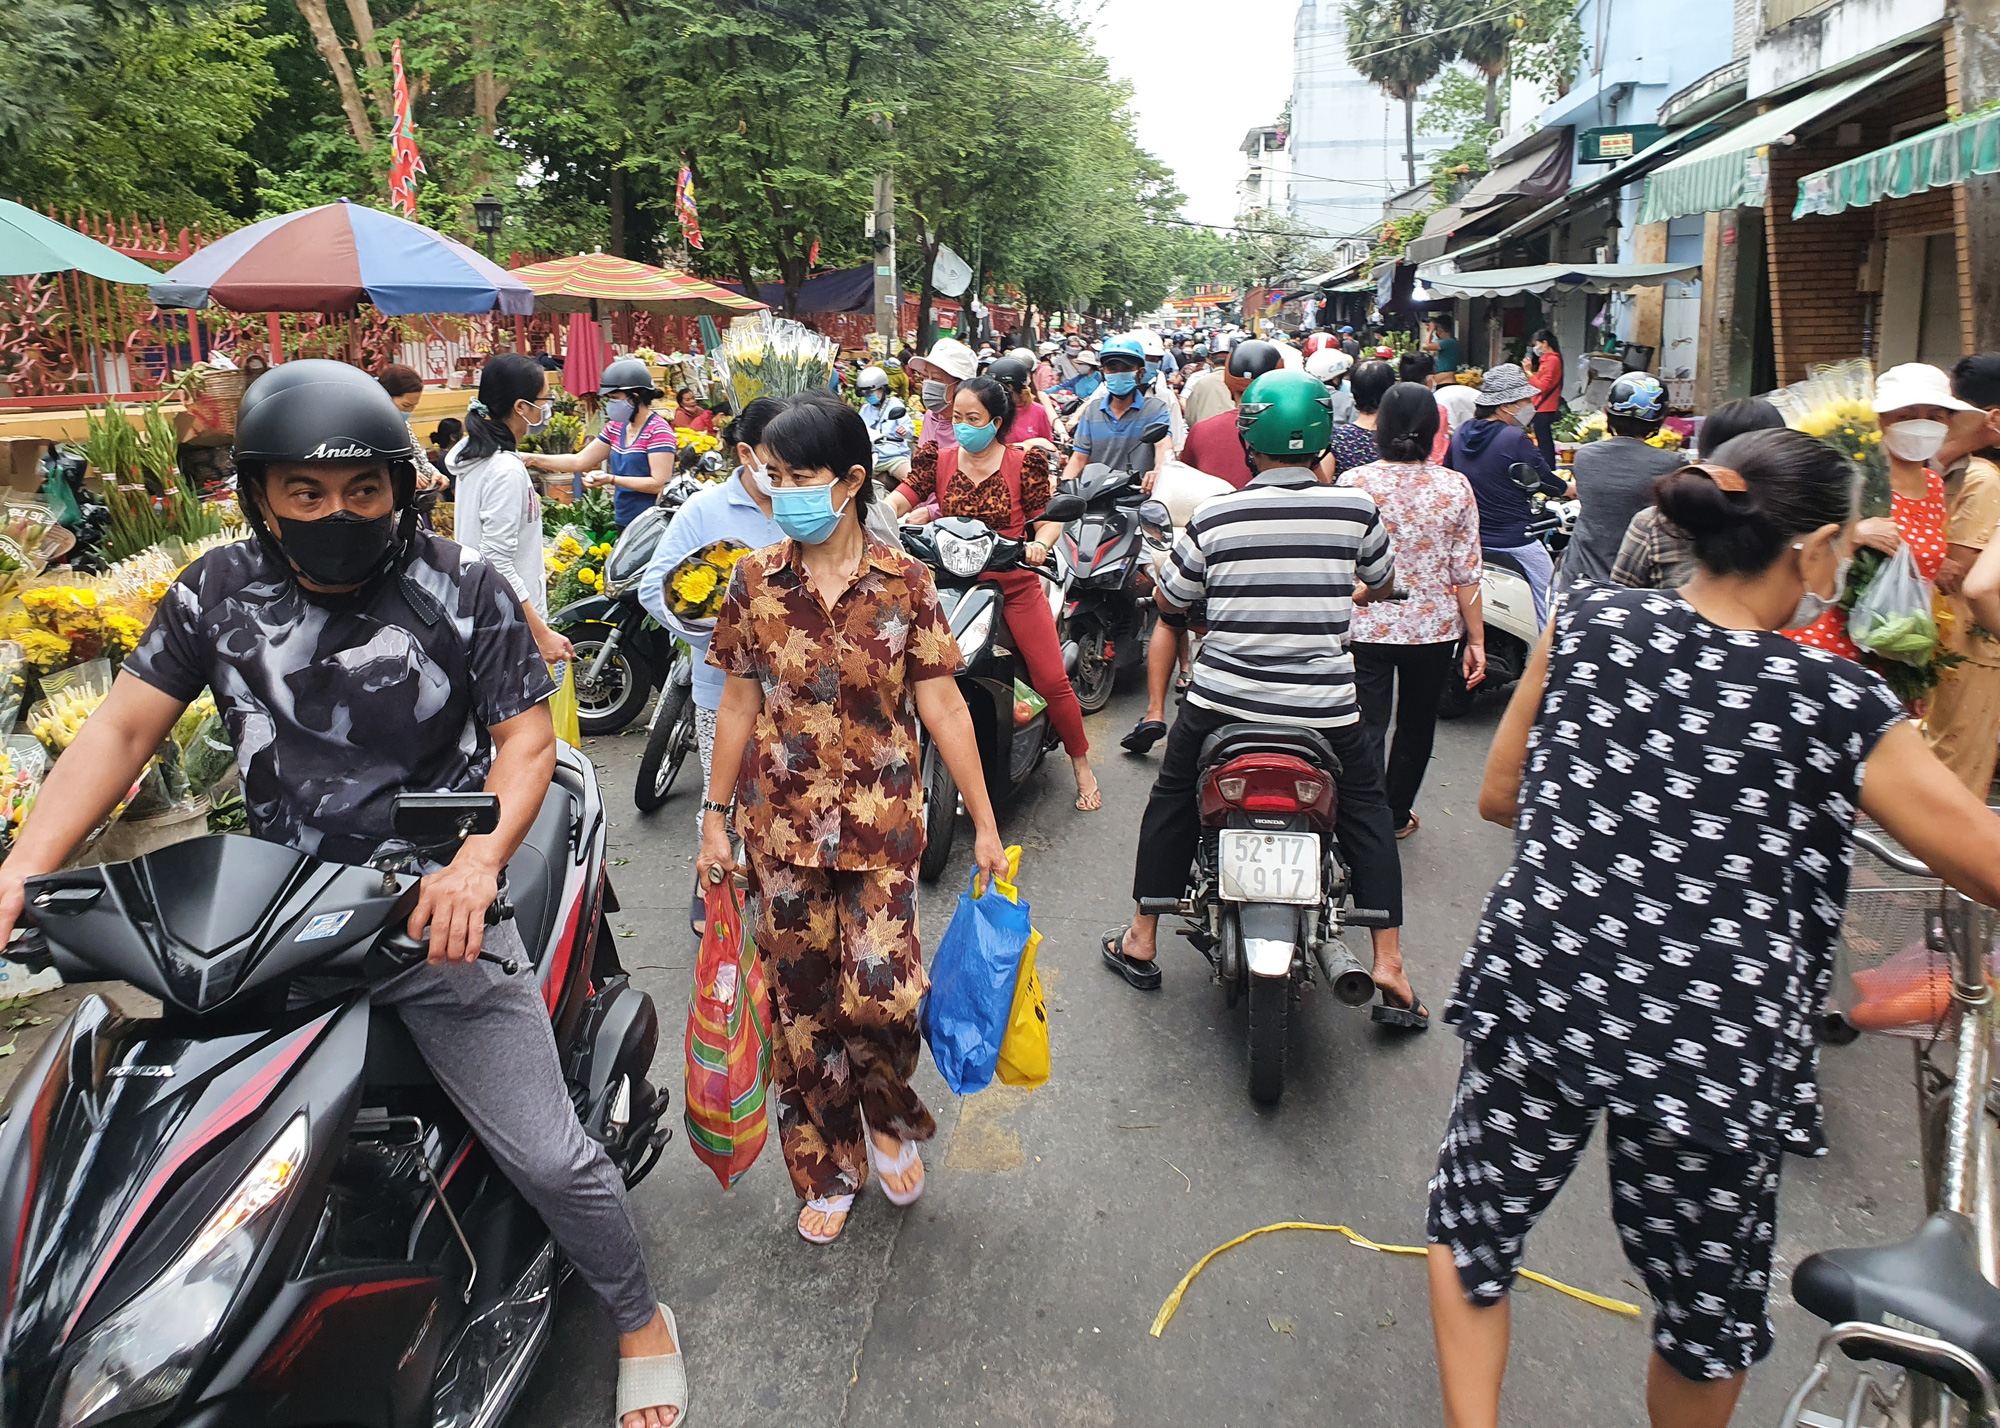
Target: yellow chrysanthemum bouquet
(696, 586)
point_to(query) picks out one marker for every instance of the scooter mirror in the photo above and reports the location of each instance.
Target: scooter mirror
(1155, 515)
(1066, 507)
(1526, 476)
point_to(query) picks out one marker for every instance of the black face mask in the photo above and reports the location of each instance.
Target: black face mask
(340, 549)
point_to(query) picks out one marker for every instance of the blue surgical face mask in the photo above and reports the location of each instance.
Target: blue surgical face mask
(874, 398)
(1152, 372)
(974, 439)
(806, 513)
(1121, 384)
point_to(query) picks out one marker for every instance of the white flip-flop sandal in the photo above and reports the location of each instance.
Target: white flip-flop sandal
(885, 1167)
(830, 1205)
(655, 1380)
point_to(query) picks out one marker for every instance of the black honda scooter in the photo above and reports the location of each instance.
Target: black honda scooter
(1013, 734)
(1102, 596)
(251, 1211)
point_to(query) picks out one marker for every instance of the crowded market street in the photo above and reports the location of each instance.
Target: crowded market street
(1020, 1289)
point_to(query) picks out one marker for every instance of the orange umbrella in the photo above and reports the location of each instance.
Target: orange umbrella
(598, 282)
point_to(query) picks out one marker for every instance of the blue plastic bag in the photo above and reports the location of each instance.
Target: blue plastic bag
(972, 986)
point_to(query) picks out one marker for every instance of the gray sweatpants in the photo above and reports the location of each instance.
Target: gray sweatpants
(486, 1037)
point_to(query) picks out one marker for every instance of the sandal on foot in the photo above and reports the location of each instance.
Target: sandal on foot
(1408, 828)
(1413, 1017)
(885, 1167)
(1096, 793)
(839, 1205)
(1148, 733)
(1141, 973)
(655, 1380)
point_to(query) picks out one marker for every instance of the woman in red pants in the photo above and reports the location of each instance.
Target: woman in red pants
(1006, 487)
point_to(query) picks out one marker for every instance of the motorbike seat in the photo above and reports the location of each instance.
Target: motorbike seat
(1245, 737)
(535, 874)
(1928, 1284)
(1506, 560)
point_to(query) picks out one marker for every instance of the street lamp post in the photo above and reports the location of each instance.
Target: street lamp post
(486, 211)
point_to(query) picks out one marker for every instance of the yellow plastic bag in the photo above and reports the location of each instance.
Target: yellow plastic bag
(562, 705)
(1024, 1050)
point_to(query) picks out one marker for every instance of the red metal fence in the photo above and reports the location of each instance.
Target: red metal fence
(69, 336)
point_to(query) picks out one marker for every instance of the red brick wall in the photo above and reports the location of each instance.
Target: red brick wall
(1818, 313)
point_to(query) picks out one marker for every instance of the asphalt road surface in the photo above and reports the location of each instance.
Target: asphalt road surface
(1020, 1289)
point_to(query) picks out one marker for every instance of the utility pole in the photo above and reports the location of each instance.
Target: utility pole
(882, 233)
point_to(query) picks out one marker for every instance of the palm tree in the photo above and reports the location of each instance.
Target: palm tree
(1483, 35)
(1395, 44)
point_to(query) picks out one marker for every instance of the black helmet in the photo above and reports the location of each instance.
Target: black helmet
(629, 374)
(1009, 372)
(321, 410)
(1254, 357)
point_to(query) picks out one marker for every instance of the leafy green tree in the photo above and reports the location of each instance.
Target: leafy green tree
(1455, 107)
(1550, 49)
(1396, 44)
(1482, 34)
(153, 127)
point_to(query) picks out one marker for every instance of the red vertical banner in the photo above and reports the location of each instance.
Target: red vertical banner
(406, 164)
(684, 208)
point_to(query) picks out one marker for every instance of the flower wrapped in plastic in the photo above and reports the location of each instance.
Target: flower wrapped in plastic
(1836, 403)
(30, 537)
(696, 586)
(767, 356)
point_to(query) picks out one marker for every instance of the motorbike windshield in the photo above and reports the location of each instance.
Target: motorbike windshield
(635, 548)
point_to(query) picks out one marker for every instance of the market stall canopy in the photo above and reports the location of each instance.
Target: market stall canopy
(1542, 174)
(1561, 278)
(30, 243)
(1936, 158)
(619, 284)
(333, 258)
(1732, 170)
(842, 290)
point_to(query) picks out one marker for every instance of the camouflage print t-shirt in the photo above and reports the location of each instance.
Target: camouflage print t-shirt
(338, 703)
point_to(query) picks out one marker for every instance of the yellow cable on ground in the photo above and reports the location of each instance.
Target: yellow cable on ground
(1166, 1314)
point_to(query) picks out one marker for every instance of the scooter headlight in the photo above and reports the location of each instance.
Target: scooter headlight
(143, 1356)
(961, 556)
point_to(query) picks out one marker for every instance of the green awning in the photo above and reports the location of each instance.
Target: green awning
(30, 243)
(1936, 158)
(1733, 170)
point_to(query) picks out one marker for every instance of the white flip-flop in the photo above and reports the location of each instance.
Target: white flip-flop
(655, 1380)
(829, 1205)
(884, 1168)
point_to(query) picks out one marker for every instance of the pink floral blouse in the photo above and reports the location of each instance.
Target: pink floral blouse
(1433, 524)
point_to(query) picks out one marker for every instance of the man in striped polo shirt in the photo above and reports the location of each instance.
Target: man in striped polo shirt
(1278, 565)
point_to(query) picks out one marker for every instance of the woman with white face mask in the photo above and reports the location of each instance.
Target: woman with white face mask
(1913, 403)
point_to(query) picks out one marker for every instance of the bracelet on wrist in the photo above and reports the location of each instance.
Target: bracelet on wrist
(709, 805)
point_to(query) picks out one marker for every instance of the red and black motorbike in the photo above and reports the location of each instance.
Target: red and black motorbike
(259, 1207)
(1102, 591)
(1268, 896)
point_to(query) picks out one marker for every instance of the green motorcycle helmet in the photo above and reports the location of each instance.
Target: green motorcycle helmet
(1284, 414)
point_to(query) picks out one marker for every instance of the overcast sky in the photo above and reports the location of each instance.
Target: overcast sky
(1204, 72)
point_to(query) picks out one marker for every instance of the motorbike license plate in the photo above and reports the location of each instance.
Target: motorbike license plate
(1268, 867)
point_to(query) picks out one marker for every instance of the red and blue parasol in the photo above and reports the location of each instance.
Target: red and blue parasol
(335, 257)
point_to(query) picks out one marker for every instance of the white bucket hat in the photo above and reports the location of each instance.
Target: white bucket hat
(953, 358)
(1916, 384)
(1504, 385)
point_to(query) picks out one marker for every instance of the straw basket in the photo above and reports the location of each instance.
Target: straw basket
(214, 399)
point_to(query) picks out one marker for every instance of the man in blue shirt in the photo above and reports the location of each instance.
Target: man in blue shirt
(1086, 381)
(888, 421)
(1126, 430)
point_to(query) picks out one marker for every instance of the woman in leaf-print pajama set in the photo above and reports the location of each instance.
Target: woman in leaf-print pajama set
(834, 643)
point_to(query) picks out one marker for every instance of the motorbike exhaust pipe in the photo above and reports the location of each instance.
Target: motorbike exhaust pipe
(1348, 978)
(1069, 650)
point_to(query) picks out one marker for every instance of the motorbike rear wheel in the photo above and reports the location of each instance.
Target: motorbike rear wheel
(666, 747)
(940, 814)
(1095, 674)
(619, 693)
(1270, 1016)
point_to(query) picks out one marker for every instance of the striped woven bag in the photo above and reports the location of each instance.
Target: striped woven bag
(728, 1043)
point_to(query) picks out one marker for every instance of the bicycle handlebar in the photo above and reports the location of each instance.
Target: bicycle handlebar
(1894, 857)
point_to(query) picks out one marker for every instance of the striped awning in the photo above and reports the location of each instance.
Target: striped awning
(618, 284)
(1936, 158)
(1733, 170)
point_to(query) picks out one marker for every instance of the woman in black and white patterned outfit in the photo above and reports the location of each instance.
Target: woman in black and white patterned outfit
(1682, 782)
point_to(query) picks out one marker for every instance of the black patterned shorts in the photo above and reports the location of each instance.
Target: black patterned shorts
(1697, 1223)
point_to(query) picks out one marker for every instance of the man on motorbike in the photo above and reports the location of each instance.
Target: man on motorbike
(353, 658)
(889, 424)
(1280, 565)
(1124, 429)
